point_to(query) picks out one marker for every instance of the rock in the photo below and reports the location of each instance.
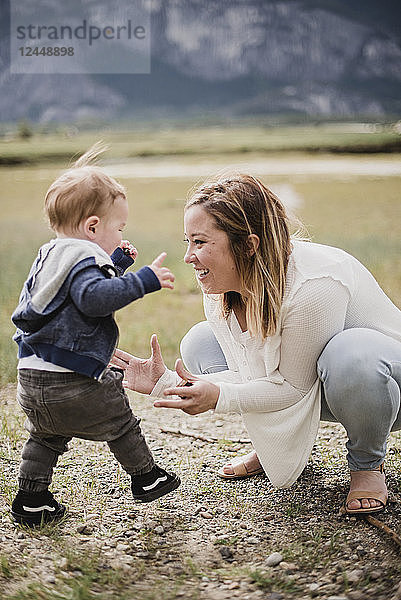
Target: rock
(253, 540)
(313, 587)
(159, 530)
(285, 566)
(374, 575)
(84, 529)
(338, 597)
(50, 579)
(274, 559)
(226, 553)
(63, 564)
(356, 595)
(206, 515)
(233, 586)
(354, 576)
(122, 547)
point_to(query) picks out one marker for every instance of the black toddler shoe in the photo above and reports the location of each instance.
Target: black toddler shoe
(35, 508)
(153, 485)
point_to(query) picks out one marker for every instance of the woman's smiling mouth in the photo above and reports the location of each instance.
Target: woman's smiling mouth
(201, 273)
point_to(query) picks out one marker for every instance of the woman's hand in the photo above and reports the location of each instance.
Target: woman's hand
(141, 374)
(196, 398)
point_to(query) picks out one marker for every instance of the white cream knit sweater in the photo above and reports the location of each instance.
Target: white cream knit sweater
(273, 383)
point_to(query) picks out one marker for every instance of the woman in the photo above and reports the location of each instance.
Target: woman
(295, 332)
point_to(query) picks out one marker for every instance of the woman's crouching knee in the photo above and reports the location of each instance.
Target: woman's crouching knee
(351, 367)
(201, 351)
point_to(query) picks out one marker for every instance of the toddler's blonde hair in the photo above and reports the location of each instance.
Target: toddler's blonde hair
(82, 191)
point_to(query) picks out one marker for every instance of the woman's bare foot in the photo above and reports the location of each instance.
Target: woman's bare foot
(250, 461)
(363, 482)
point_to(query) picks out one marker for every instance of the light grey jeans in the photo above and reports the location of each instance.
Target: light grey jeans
(360, 374)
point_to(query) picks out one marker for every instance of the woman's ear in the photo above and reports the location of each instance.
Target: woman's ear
(252, 242)
(89, 226)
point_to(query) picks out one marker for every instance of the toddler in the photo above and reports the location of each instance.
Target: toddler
(67, 335)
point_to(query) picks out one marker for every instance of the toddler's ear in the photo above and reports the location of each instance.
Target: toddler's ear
(89, 226)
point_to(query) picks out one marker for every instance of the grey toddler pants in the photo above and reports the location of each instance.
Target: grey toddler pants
(60, 406)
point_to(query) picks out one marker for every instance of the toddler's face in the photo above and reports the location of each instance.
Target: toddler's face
(109, 229)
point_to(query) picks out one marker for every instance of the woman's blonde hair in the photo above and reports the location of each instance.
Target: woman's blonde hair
(82, 191)
(242, 205)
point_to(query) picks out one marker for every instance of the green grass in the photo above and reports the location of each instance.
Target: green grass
(275, 582)
(179, 141)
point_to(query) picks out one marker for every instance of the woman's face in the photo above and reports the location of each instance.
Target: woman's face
(209, 252)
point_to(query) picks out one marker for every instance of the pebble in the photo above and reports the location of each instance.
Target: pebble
(122, 547)
(206, 515)
(274, 559)
(338, 597)
(356, 595)
(50, 579)
(84, 529)
(233, 586)
(313, 587)
(226, 553)
(354, 576)
(159, 530)
(63, 563)
(253, 540)
(285, 566)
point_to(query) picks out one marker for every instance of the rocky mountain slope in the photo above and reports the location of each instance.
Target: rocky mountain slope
(234, 57)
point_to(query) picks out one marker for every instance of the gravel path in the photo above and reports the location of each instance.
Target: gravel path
(212, 539)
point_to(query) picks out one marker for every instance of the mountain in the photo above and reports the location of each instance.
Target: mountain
(330, 58)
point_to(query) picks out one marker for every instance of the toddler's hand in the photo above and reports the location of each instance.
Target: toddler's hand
(129, 249)
(164, 275)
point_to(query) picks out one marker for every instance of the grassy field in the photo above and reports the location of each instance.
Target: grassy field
(106, 549)
(360, 215)
(203, 140)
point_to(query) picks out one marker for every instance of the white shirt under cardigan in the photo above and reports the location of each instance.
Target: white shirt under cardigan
(273, 383)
